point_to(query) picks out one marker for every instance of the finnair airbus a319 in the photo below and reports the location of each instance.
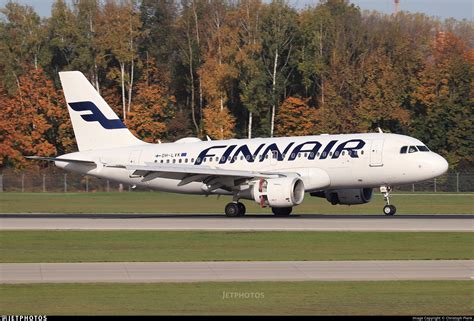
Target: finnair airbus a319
(274, 172)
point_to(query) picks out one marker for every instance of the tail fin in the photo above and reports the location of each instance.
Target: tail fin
(95, 124)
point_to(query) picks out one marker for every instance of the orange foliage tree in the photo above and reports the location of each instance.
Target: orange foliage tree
(217, 74)
(153, 106)
(444, 99)
(34, 121)
(295, 118)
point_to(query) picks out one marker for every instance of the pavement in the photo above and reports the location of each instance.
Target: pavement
(236, 271)
(209, 222)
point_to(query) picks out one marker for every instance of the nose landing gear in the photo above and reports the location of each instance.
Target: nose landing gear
(387, 209)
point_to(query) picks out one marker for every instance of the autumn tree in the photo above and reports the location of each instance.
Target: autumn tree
(89, 51)
(295, 118)
(23, 38)
(444, 100)
(218, 72)
(279, 32)
(153, 106)
(252, 77)
(118, 34)
(36, 121)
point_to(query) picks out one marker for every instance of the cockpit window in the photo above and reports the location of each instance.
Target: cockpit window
(403, 150)
(423, 148)
(412, 149)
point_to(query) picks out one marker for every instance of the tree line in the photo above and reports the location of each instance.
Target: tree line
(237, 68)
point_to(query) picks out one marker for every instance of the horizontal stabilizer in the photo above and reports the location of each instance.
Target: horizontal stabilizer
(55, 159)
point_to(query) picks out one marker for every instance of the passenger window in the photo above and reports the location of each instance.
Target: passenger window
(185, 160)
(403, 150)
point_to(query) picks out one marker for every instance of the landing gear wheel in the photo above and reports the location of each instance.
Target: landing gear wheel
(242, 209)
(232, 209)
(282, 211)
(389, 210)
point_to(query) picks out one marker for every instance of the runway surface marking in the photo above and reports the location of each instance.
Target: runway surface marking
(176, 222)
(236, 271)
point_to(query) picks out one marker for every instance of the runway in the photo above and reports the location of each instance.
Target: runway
(202, 222)
(235, 271)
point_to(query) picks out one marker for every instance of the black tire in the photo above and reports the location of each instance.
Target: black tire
(242, 209)
(232, 210)
(389, 210)
(282, 211)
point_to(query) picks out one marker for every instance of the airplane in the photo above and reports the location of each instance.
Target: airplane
(274, 172)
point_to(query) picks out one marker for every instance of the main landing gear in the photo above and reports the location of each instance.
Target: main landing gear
(235, 209)
(387, 209)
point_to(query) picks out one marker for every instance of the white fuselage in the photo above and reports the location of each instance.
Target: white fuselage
(348, 160)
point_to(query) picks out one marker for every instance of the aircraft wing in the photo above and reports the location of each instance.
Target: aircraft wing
(143, 170)
(214, 177)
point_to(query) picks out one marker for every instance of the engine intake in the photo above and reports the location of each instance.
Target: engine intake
(279, 192)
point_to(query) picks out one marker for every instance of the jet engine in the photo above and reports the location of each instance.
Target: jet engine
(346, 196)
(278, 192)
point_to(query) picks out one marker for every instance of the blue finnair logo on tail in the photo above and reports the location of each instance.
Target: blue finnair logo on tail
(96, 115)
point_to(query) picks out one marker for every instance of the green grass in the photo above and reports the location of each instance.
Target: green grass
(160, 246)
(339, 298)
(155, 202)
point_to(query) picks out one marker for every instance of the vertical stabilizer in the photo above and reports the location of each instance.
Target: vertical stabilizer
(95, 124)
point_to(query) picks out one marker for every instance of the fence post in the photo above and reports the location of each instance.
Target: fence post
(1, 183)
(87, 184)
(44, 183)
(65, 183)
(108, 186)
(413, 187)
(457, 182)
(22, 182)
(435, 185)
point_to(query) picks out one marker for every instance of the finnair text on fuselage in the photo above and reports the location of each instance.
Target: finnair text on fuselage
(231, 153)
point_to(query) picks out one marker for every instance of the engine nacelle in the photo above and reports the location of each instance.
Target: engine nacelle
(278, 192)
(346, 196)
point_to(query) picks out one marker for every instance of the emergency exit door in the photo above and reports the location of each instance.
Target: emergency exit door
(376, 153)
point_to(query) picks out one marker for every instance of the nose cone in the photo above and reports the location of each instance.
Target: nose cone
(439, 165)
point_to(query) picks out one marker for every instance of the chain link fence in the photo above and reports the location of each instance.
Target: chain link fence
(56, 181)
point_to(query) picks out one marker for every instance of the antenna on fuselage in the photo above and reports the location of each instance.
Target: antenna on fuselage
(379, 130)
(208, 138)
